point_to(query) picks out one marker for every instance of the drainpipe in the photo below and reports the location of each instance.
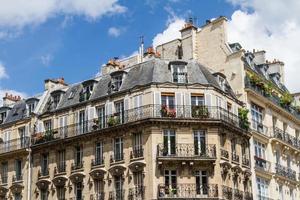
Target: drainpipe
(29, 175)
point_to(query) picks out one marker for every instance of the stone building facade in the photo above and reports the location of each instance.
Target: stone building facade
(160, 129)
(274, 113)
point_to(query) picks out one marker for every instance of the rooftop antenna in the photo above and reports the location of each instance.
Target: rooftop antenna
(141, 48)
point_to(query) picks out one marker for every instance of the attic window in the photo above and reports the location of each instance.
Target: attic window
(55, 99)
(86, 92)
(31, 107)
(222, 82)
(179, 72)
(71, 95)
(117, 82)
(2, 117)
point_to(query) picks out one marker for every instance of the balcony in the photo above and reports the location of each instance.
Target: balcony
(13, 145)
(118, 157)
(117, 195)
(97, 196)
(98, 162)
(224, 154)
(158, 112)
(285, 137)
(77, 166)
(227, 192)
(262, 197)
(235, 157)
(260, 128)
(262, 165)
(245, 161)
(136, 193)
(3, 180)
(43, 172)
(186, 152)
(285, 172)
(238, 195)
(188, 191)
(137, 152)
(270, 97)
(61, 168)
(17, 178)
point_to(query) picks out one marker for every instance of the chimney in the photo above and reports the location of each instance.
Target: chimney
(259, 57)
(277, 66)
(51, 84)
(10, 99)
(111, 66)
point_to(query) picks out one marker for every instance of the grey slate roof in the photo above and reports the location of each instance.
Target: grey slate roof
(152, 71)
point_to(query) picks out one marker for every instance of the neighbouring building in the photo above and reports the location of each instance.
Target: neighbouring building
(158, 129)
(274, 112)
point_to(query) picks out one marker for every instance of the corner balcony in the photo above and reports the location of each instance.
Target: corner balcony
(182, 113)
(260, 128)
(285, 172)
(186, 152)
(188, 191)
(14, 145)
(286, 138)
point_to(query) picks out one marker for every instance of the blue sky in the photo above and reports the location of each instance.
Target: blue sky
(73, 42)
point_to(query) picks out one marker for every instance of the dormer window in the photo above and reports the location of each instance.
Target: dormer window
(116, 80)
(88, 87)
(2, 117)
(31, 104)
(179, 72)
(55, 100)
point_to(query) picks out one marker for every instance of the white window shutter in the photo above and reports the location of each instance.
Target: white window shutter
(140, 100)
(135, 101)
(109, 108)
(208, 99)
(91, 113)
(126, 104)
(157, 98)
(187, 98)
(61, 121)
(27, 130)
(178, 98)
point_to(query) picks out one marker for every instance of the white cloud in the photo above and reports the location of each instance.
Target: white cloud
(114, 31)
(3, 73)
(16, 93)
(170, 33)
(16, 14)
(274, 27)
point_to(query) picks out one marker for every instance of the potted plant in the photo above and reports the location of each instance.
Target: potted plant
(199, 111)
(95, 124)
(164, 111)
(286, 99)
(111, 121)
(243, 117)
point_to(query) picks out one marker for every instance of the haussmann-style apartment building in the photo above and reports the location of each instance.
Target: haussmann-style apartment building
(147, 128)
(274, 112)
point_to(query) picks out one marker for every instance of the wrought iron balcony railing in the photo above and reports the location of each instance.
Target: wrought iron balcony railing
(145, 112)
(97, 196)
(77, 166)
(98, 161)
(3, 179)
(14, 144)
(17, 178)
(116, 195)
(43, 172)
(136, 193)
(187, 191)
(224, 154)
(117, 157)
(137, 152)
(285, 172)
(186, 151)
(262, 197)
(246, 160)
(274, 99)
(180, 77)
(262, 164)
(227, 192)
(238, 195)
(235, 157)
(60, 168)
(287, 138)
(260, 128)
